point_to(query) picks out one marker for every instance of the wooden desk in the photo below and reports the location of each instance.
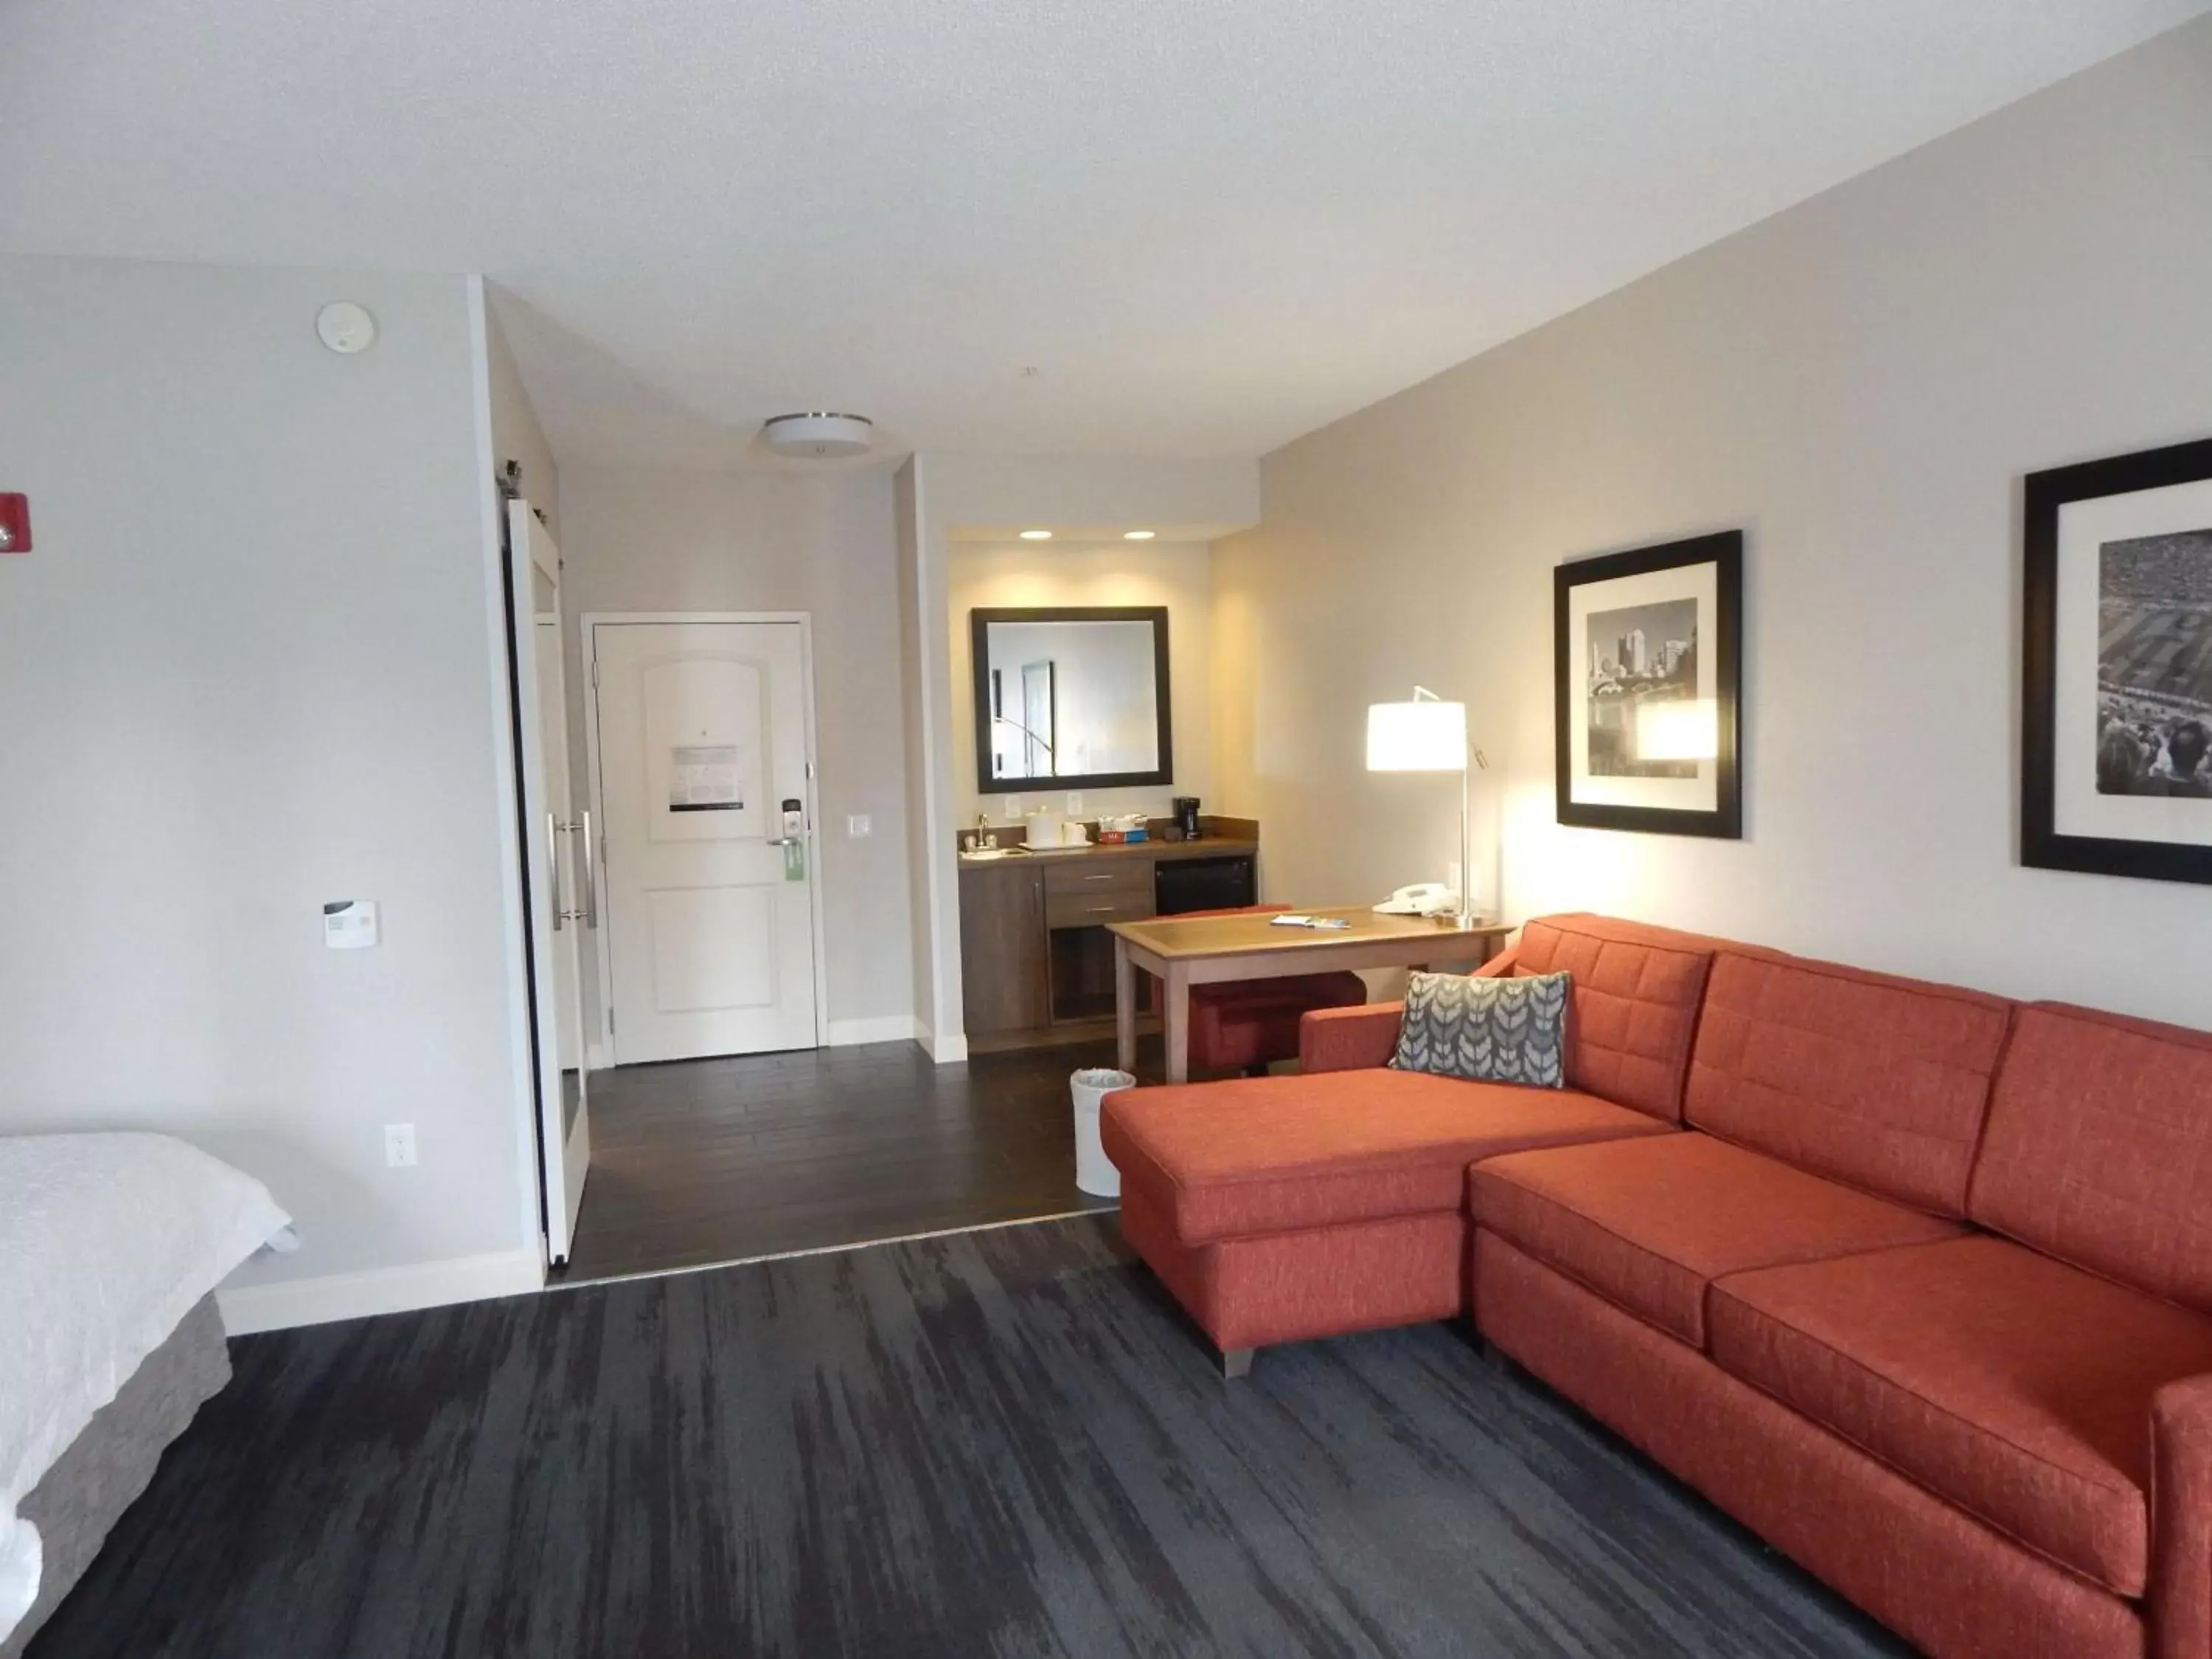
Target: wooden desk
(1207, 949)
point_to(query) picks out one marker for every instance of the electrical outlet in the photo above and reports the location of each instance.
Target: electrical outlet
(1074, 801)
(1013, 809)
(859, 826)
(1451, 877)
(400, 1146)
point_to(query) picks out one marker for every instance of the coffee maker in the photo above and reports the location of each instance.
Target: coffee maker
(1186, 816)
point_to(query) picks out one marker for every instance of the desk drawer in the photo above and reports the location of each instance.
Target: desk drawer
(1109, 877)
(1096, 909)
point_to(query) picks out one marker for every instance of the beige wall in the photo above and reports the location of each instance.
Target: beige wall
(1858, 383)
(1176, 575)
(637, 539)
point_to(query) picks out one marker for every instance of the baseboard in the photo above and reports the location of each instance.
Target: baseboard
(250, 1308)
(887, 1028)
(945, 1048)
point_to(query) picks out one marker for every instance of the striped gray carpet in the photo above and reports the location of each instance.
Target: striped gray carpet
(1004, 1443)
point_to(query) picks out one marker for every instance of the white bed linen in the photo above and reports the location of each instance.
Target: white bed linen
(106, 1241)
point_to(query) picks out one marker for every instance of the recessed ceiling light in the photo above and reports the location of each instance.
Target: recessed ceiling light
(1036, 534)
(1138, 535)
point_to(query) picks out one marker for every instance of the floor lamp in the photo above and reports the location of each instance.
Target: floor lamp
(1429, 735)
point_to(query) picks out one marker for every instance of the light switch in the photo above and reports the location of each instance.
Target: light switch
(859, 827)
(1074, 801)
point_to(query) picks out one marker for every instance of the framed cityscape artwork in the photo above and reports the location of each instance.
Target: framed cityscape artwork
(2116, 719)
(1646, 649)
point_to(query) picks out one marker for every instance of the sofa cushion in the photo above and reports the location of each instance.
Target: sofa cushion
(2015, 1386)
(1876, 1081)
(1635, 995)
(2099, 1148)
(1257, 1155)
(1649, 1223)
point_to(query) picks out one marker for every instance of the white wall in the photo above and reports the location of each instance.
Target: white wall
(1176, 575)
(516, 435)
(249, 669)
(916, 700)
(1859, 384)
(643, 540)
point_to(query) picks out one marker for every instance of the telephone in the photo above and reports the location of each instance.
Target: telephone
(1423, 898)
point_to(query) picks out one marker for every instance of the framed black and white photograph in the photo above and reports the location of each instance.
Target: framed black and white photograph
(1646, 655)
(2115, 769)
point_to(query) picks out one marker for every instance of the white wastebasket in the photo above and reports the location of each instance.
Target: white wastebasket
(1094, 1171)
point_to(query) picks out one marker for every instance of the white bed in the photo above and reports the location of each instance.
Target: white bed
(106, 1242)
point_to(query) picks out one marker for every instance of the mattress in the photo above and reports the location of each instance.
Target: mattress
(108, 1242)
(106, 1467)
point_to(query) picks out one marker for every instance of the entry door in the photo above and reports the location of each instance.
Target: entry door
(708, 855)
(559, 873)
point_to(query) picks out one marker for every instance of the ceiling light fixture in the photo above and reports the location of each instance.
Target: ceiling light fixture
(1036, 534)
(817, 437)
(1138, 535)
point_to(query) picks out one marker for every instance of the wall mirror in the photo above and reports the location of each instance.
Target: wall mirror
(1076, 695)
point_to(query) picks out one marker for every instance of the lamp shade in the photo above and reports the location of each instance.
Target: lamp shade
(1417, 737)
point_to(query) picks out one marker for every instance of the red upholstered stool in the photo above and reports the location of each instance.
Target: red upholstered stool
(1241, 1025)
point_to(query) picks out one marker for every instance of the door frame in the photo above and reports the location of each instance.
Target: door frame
(604, 1037)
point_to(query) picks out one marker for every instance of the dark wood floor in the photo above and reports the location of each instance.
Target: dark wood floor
(700, 1162)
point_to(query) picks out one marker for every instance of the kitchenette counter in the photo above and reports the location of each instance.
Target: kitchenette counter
(1036, 963)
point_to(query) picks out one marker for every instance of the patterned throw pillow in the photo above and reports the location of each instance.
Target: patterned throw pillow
(1490, 1030)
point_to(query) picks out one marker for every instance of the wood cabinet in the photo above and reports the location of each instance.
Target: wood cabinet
(1036, 961)
(1005, 981)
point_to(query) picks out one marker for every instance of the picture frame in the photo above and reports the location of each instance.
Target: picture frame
(1648, 708)
(2116, 709)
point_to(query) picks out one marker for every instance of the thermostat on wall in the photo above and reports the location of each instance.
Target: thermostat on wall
(350, 924)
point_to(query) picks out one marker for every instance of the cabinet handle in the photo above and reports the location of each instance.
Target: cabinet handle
(1101, 909)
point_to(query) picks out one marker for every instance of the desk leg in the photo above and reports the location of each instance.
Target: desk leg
(1176, 1019)
(1125, 1008)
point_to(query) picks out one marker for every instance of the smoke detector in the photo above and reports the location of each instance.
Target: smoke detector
(819, 437)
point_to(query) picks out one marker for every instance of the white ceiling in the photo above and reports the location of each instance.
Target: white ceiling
(1207, 227)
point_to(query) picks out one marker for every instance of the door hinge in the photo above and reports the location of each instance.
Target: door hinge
(610, 1022)
(595, 673)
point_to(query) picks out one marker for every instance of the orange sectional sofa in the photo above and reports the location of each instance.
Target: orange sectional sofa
(1915, 1281)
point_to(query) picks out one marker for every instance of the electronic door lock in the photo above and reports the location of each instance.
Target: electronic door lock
(794, 840)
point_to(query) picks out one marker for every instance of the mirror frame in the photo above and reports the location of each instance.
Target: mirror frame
(979, 626)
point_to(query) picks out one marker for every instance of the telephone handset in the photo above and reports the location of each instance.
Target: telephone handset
(1423, 898)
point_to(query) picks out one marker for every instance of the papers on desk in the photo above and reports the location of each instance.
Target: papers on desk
(1330, 922)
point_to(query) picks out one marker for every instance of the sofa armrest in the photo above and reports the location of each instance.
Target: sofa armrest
(1348, 1039)
(1499, 967)
(2181, 1599)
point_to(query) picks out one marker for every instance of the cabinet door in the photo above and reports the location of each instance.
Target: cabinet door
(1002, 950)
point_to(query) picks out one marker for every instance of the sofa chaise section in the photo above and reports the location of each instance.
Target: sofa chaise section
(1281, 1209)
(1278, 1209)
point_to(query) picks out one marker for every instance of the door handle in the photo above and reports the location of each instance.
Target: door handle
(591, 879)
(553, 868)
(788, 841)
